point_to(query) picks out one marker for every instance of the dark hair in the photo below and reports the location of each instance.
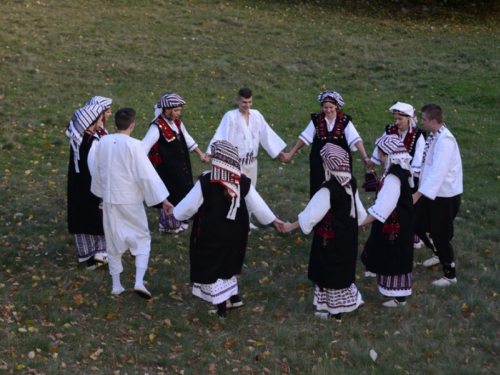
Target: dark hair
(245, 92)
(433, 112)
(124, 117)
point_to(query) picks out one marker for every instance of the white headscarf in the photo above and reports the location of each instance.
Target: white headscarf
(407, 110)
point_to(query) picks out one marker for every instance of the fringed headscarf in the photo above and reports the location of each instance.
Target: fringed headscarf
(226, 171)
(407, 110)
(82, 119)
(101, 100)
(336, 161)
(331, 96)
(396, 152)
(168, 101)
(106, 104)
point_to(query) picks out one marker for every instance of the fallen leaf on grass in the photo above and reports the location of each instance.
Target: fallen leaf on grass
(96, 354)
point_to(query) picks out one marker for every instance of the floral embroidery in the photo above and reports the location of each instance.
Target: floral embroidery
(322, 128)
(325, 230)
(391, 226)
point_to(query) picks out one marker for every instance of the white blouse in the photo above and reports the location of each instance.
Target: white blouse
(193, 201)
(153, 135)
(319, 205)
(387, 198)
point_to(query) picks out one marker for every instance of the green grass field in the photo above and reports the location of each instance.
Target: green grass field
(58, 318)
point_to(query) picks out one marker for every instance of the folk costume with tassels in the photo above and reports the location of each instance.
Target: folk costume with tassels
(220, 201)
(333, 215)
(84, 217)
(389, 249)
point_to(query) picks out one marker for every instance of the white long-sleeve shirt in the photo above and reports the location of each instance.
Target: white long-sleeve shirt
(247, 137)
(123, 173)
(319, 205)
(153, 135)
(442, 174)
(387, 198)
(193, 201)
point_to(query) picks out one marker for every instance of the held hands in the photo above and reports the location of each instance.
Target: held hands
(288, 227)
(203, 158)
(285, 157)
(168, 207)
(279, 225)
(369, 163)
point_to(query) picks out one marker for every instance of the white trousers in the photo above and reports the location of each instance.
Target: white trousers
(126, 228)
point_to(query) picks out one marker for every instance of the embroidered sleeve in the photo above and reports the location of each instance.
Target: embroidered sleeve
(387, 198)
(307, 135)
(352, 136)
(190, 143)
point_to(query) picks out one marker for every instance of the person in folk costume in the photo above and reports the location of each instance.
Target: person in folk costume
(220, 201)
(124, 178)
(106, 114)
(169, 144)
(328, 126)
(84, 216)
(439, 193)
(333, 213)
(413, 138)
(389, 249)
(246, 129)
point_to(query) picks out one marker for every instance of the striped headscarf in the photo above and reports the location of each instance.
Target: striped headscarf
(106, 104)
(226, 171)
(331, 96)
(168, 101)
(396, 152)
(336, 161)
(82, 119)
(407, 110)
(101, 100)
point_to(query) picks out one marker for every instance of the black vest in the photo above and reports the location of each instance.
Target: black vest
(218, 244)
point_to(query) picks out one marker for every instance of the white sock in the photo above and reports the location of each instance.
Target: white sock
(117, 285)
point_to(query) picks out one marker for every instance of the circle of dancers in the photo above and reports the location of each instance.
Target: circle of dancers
(418, 196)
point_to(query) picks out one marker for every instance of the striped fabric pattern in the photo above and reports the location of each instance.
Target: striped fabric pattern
(82, 119)
(336, 161)
(170, 101)
(391, 144)
(100, 100)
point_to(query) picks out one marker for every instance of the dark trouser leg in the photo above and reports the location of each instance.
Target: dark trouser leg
(439, 215)
(422, 222)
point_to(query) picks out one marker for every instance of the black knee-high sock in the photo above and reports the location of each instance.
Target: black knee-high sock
(222, 310)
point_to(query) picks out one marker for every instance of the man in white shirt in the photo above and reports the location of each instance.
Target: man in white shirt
(246, 129)
(439, 193)
(124, 178)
